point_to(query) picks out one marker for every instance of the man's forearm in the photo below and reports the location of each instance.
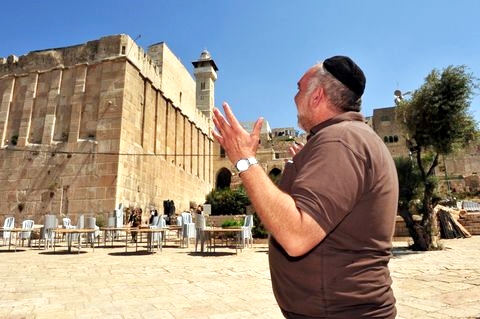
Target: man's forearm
(296, 231)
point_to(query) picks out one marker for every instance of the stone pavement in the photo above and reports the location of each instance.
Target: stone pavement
(178, 283)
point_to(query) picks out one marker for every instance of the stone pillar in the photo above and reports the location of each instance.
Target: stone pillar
(5, 103)
(52, 102)
(188, 146)
(77, 102)
(26, 121)
(180, 140)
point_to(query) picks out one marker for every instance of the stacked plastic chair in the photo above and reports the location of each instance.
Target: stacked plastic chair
(188, 228)
(48, 231)
(247, 234)
(26, 233)
(9, 223)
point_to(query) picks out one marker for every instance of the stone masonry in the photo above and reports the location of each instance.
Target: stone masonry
(87, 127)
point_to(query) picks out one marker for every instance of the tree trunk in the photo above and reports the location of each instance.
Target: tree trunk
(421, 236)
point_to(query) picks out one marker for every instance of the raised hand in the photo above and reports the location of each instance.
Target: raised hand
(236, 141)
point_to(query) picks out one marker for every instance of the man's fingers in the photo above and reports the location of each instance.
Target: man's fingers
(217, 117)
(257, 128)
(292, 150)
(230, 116)
(220, 123)
(218, 137)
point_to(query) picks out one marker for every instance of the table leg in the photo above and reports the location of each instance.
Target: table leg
(237, 243)
(10, 241)
(69, 242)
(149, 242)
(78, 249)
(213, 234)
(136, 242)
(163, 234)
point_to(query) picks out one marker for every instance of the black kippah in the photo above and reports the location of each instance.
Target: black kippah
(347, 72)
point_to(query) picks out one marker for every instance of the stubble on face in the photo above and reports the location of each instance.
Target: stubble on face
(301, 100)
(301, 122)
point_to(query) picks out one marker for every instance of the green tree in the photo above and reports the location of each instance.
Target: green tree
(436, 121)
(228, 201)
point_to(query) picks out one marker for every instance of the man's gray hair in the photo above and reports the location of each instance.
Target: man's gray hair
(339, 95)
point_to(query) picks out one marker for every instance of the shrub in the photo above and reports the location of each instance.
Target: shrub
(232, 223)
(227, 201)
(259, 230)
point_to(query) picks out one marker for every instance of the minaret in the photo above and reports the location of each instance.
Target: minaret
(205, 75)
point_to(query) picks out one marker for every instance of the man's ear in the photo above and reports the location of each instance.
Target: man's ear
(316, 96)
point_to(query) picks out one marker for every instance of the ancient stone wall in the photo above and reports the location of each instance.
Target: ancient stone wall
(87, 127)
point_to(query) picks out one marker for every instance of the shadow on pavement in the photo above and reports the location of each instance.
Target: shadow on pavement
(12, 251)
(404, 251)
(133, 253)
(211, 254)
(63, 252)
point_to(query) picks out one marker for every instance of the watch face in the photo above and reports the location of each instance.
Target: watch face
(242, 165)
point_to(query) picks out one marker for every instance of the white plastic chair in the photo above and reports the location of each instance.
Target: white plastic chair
(26, 233)
(47, 233)
(155, 221)
(111, 234)
(200, 234)
(162, 221)
(91, 223)
(179, 221)
(158, 222)
(67, 223)
(247, 234)
(9, 223)
(80, 222)
(188, 228)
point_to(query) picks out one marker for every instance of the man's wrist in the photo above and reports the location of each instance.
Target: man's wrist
(244, 164)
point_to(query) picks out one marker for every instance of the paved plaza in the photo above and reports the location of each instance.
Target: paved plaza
(179, 283)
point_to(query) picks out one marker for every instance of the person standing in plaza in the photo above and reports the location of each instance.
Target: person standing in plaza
(135, 221)
(332, 217)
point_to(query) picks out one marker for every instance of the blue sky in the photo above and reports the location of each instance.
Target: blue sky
(262, 47)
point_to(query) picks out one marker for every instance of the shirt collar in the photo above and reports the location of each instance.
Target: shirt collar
(347, 116)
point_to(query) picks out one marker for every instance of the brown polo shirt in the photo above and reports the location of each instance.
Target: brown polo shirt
(345, 178)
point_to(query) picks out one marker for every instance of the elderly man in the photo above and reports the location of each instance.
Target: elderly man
(332, 217)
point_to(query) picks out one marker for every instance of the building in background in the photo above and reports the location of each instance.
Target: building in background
(88, 127)
(272, 154)
(457, 172)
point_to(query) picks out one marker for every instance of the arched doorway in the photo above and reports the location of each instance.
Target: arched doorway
(275, 174)
(224, 178)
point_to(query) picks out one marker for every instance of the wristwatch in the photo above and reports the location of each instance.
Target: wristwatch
(244, 163)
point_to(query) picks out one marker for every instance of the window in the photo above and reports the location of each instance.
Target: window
(202, 86)
(390, 139)
(222, 152)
